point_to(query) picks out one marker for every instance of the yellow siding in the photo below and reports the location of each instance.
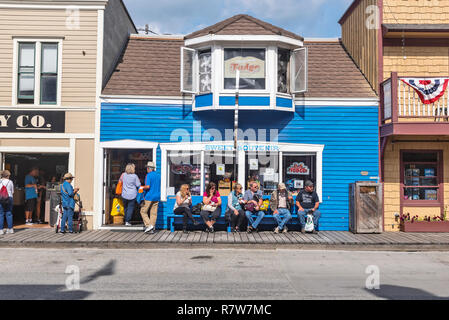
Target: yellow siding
(416, 11)
(420, 61)
(361, 42)
(392, 178)
(78, 70)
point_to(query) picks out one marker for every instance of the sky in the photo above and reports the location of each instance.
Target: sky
(308, 18)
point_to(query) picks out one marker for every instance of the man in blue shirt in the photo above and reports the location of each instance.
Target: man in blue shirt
(152, 197)
(30, 195)
(255, 196)
(68, 202)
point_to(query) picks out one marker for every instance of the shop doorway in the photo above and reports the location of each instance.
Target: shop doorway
(52, 167)
(115, 164)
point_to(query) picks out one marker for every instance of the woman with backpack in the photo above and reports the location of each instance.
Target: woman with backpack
(6, 202)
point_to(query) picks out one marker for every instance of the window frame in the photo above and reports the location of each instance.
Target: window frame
(48, 73)
(440, 181)
(19, 73)
(37, 71)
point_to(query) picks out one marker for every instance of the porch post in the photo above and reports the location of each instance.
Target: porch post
(394, 97)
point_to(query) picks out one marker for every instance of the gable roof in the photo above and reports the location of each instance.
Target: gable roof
(243, 24)
(150, 66)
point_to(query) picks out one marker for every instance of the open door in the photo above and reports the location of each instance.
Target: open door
(106, 184)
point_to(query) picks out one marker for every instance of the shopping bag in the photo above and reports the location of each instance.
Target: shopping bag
(265, 205)
(309, 224)
(140, 196)
(119, 188)
(117, 208)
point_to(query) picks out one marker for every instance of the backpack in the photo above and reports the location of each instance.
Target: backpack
(4, 195)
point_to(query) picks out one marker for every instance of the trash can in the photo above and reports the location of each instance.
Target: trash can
(365, 207)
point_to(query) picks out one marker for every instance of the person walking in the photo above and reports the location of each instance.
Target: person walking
(212, 206)
(281, 203)
(68, 202)
(152, 197)
(6, 206)
(131, 184)
(182, 206)
(31, 191)
(235, 204)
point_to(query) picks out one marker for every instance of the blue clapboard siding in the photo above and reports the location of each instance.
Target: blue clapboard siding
(350, 136)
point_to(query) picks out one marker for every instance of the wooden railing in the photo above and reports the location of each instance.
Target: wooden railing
(400, 101)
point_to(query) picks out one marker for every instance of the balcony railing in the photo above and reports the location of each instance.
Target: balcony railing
(400, 103)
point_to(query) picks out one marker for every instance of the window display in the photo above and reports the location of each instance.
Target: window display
(421, 181)
(297, 170)
(222, 169)
(250, 63)
(264, 169)
(185, 168)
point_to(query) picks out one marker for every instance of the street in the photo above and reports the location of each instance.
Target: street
(215, 274)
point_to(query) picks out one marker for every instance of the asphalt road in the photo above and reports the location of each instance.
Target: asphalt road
(221, 274)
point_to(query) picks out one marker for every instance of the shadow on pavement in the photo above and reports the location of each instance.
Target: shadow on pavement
(53, 292)
(391, 292)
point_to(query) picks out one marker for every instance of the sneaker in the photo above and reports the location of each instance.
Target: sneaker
(29, 223)
(212, 230)
(61, 232)
(303, 230)
(149, 229)
(250, 229)
(276, 230)
(9, 231)
(285, 230)
(39, 222)
(127, 224)
(2, 232)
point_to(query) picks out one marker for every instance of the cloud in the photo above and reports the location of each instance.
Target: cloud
(310, 18)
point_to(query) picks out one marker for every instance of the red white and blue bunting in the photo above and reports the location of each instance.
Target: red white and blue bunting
(429, 90)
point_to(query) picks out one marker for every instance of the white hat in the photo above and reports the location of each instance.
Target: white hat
(150, 164)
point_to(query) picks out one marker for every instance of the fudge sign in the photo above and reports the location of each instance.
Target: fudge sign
(298, 169)
(27, 121)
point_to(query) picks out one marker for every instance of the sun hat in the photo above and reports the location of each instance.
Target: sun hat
(150, 164)
(68, 176)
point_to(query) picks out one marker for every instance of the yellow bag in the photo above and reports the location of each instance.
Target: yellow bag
(117, 208)
(265, 205)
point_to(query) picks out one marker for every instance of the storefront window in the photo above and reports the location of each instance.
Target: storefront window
(250, 63)
(421, 176)
(221, 169)
(298, 169)
(283, 67)
(263, 167)
(205, 71)
(184, 168)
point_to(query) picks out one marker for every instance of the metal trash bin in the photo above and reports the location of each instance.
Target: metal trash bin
(365, 207)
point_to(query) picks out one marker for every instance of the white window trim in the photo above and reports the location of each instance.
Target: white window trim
(131, 144)
(201, 147)
(37, 71)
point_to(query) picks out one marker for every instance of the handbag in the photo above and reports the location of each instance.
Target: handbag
(119, 188)
(309, 227)
(250, 206)
(208, 207)
(196, 209)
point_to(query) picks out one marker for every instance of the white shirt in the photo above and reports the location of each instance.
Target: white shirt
(186, 202)
(9, 186)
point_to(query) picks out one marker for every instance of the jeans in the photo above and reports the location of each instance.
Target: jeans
(282, 218)
(67, 216)
(129, 208)
(6, 209)
(303, 214)
(259, 218)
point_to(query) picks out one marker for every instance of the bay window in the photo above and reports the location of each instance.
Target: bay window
(205, 71)
(38, 68)
(283, 70)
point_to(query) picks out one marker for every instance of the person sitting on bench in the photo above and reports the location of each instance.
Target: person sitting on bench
(308, 202)
(182, 206)
(253, 199)
(281, 203)
(235, 204)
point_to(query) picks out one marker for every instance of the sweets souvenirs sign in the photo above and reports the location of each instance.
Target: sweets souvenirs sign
(29, 121)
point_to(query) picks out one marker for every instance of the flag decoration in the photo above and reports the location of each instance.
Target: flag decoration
(428, 90)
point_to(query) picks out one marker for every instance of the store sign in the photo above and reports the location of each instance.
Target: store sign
(32, 121)
(298, 169)
(249, 67)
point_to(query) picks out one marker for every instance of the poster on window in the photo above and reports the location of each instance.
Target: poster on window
(251, 65)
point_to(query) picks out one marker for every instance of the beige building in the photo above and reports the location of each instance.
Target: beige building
(392, 41)
(55, 58)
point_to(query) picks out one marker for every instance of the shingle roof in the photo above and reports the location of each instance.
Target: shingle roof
(151, 67)
(243, 24)
(333, 74)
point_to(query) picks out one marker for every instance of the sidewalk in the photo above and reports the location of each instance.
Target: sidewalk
(166, 239)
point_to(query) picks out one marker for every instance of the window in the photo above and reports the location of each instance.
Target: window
(184, 168)
(283, 70)
(26, 73)
(49, 73)
(298, 169)
(37, 72)
(220, 168)
(263, 167)
(250, 63)
(205, 71)
(421, 176)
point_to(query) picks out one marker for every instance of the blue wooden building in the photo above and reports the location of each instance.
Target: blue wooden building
(304, 112)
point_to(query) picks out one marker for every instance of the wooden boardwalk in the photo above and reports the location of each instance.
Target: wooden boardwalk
(328, 239)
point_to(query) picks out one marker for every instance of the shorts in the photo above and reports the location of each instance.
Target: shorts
(30, 205)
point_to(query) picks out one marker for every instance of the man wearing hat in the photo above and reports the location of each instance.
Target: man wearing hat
(68, 202)
(281, 202)
(308, 202)
(152, 197)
